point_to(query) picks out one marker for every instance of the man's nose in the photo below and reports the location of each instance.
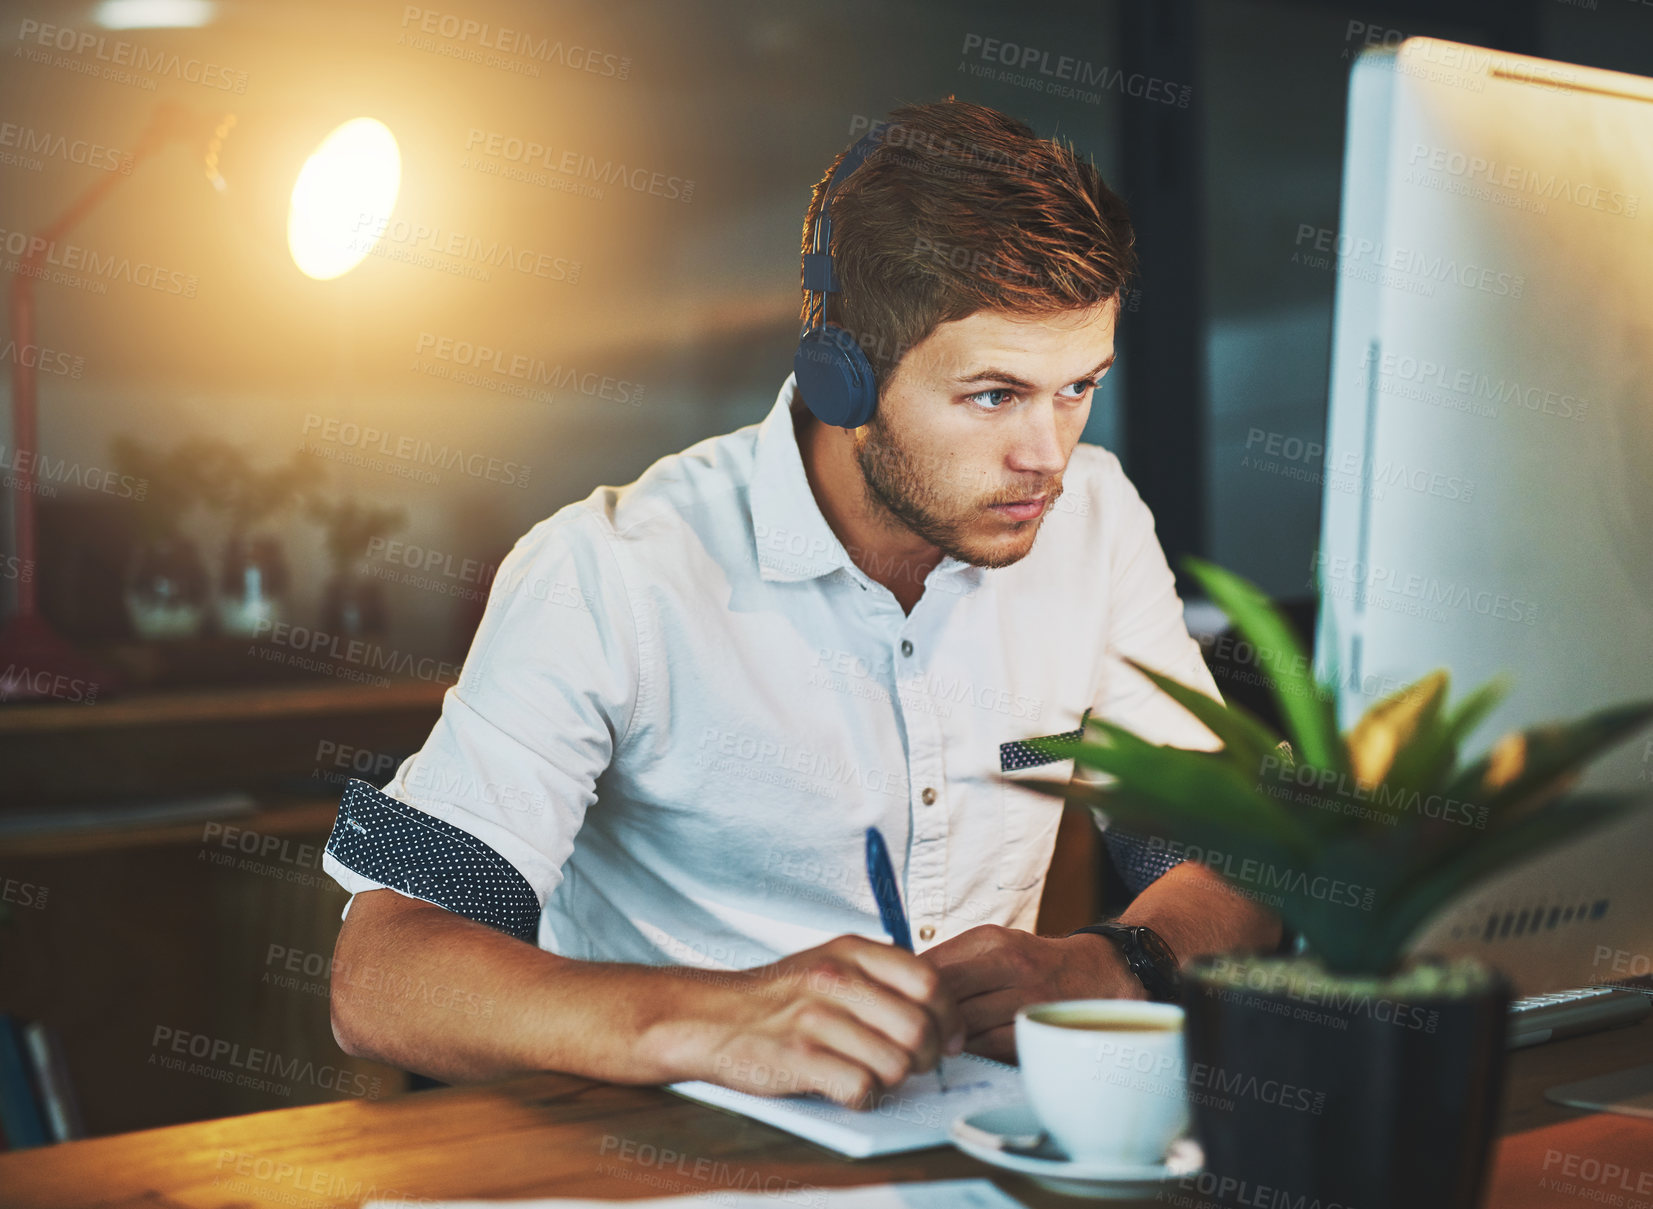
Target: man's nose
(1038, 448)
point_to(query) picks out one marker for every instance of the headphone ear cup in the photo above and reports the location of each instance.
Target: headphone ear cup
(835, 377)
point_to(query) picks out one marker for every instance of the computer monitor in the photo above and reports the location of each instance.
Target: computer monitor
(1489, 453)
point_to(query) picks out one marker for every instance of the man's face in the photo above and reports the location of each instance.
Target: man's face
(984, 411)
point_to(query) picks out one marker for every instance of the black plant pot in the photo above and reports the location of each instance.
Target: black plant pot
(1321, 1094)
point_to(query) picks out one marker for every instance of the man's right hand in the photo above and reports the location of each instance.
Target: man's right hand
(846, 1020)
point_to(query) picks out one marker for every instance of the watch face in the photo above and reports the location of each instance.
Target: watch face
(1157, 950)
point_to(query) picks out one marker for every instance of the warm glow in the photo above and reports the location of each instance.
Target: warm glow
(343, 196)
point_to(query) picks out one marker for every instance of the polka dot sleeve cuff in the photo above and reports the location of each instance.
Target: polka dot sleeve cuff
(408, 850)
(1140, 861)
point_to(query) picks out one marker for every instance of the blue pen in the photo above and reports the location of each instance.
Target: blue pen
(888, 896)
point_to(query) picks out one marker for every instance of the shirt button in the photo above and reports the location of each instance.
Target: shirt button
(929, 796)
(906, 647)
(927, 932)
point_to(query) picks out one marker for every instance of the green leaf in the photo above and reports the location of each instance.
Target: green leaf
(1383, 741)
(1552, 753)
(1192, 786)
(1244, 736)
(1309, 711)
(1205, 834)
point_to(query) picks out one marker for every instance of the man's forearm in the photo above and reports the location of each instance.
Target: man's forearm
(430, 991)
(1197, 913)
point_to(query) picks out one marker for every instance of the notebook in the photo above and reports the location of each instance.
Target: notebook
(914, 1116)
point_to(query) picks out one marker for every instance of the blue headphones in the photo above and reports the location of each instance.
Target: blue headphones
(834, 375)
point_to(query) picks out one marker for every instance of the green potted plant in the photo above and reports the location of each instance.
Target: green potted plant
(1345, 1073)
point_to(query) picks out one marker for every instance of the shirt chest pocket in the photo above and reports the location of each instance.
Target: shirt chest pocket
(1030, 817)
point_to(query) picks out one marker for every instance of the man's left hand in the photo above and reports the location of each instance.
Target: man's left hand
(992, 971)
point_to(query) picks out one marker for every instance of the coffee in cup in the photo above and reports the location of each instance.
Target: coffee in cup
(1105, 1077)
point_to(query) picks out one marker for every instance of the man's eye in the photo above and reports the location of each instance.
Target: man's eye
(979, 396)
(1081, 387)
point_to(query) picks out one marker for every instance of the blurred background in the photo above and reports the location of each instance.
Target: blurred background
(301, 381)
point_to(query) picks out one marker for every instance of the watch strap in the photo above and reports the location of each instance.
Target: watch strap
(1164, 985)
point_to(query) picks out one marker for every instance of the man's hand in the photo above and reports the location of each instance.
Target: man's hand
(992, 971)
(846, 1019)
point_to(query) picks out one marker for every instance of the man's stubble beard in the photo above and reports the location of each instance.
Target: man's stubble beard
(899, 494)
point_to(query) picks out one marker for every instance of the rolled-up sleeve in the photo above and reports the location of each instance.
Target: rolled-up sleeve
(1146, 623)
(482, 818)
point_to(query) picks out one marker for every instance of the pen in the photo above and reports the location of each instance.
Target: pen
(888, 896)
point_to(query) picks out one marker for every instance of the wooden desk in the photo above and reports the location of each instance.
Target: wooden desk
(552, 1135)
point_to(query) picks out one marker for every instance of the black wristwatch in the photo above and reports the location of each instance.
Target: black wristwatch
(1147, 956)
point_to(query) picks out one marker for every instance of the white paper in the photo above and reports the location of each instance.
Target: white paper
(930, 1194)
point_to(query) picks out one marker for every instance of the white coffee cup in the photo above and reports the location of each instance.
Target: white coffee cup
(1105, 1077)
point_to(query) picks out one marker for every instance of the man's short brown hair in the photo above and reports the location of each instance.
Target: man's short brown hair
(961, 209)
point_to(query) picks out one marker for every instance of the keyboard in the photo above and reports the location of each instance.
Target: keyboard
(1540, 1018)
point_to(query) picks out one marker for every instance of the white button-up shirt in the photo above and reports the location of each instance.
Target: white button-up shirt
(685, 704)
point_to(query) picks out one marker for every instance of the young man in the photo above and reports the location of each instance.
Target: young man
(690, 696)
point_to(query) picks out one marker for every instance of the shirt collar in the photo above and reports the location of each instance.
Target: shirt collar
(793, 538)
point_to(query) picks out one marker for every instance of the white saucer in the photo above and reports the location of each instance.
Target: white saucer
(1050, 1168)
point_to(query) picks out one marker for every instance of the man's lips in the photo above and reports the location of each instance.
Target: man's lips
(1023, 509)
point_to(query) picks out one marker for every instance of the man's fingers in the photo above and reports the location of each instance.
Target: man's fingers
(998, 1044)
(966, 946)
(890, 969)
(856, 1040)
(989, 969)
(990, 1011)
(823, 1071)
